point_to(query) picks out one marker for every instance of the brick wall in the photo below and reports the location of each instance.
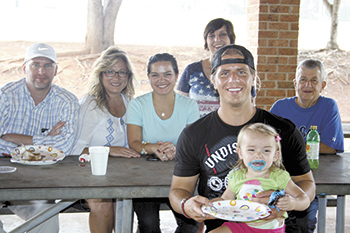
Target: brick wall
(273, 28)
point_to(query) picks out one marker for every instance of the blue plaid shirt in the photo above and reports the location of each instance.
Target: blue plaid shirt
(19, 115)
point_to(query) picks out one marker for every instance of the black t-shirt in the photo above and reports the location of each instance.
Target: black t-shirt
(208, 148)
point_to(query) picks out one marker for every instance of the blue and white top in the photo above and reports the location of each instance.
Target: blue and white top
(194, 82)
(20, 115)
(97, 127)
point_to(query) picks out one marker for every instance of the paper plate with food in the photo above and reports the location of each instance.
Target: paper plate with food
(36, 155)
(237, 210)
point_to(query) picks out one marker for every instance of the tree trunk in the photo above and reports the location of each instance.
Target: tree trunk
(101, 24)
(110, 12)
(333, 11)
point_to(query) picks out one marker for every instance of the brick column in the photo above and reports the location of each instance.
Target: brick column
(273, 28)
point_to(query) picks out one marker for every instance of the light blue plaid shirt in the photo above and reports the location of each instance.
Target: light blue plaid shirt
(19, 115)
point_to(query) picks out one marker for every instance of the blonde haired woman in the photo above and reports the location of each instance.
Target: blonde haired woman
(101, 121)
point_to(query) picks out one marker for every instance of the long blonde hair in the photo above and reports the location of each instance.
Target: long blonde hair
(263, 129)
(108, 59)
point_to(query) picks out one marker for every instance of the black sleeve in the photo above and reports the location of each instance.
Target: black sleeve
(294, 151)
(186, 162)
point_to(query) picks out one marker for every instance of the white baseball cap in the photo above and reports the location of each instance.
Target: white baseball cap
(40, 50)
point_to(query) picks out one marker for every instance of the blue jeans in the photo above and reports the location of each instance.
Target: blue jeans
(313, 208)
(303, 221)
(147, 211)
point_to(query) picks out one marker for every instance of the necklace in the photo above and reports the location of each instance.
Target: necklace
(162, 112)
(165, 109)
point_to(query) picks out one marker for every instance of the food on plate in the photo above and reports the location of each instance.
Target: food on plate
(36, 155)
(31, 156)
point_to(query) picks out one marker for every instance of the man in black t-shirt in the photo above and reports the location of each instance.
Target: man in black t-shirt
(206, 150)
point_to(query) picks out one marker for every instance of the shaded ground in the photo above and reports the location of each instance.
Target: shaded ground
(74, 70)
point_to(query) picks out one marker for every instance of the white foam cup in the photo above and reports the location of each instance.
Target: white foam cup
(99, 160)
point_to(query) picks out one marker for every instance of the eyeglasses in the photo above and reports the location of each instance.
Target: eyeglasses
(37, 66)
(112, 73)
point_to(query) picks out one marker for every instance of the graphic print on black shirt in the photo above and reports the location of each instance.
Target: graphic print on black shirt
(221, 158)
(208, 148)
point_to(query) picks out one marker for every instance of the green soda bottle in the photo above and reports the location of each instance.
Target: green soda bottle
(313, 147)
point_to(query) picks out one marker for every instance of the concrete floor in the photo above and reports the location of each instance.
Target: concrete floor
(78, 222)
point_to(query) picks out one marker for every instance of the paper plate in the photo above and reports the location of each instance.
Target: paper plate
(7, 169)
(237, 210)
(50, 155)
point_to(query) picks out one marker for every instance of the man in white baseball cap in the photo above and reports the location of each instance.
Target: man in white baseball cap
(35, 111)
(40, 50)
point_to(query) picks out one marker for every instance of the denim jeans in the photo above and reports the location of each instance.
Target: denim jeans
(147, 211)
(303, 221)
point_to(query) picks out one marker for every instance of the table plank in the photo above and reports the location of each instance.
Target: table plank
(346, 129)
(136, 178)
(131, 178)
(333, 175)
(68, 179)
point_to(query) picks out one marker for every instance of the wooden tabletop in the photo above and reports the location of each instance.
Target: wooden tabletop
(131, 178)
(346, 129)
(68, 179)
(333, 175)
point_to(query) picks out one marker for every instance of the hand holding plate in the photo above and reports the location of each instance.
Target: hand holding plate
(193, 209)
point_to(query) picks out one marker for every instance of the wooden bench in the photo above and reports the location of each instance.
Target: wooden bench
(77, 207)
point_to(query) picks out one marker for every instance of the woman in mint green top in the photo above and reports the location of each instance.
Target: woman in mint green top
(154, 128)
(154, 122)
(259, 169)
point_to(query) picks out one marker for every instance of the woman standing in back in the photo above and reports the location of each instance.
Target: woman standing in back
(195, 80)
